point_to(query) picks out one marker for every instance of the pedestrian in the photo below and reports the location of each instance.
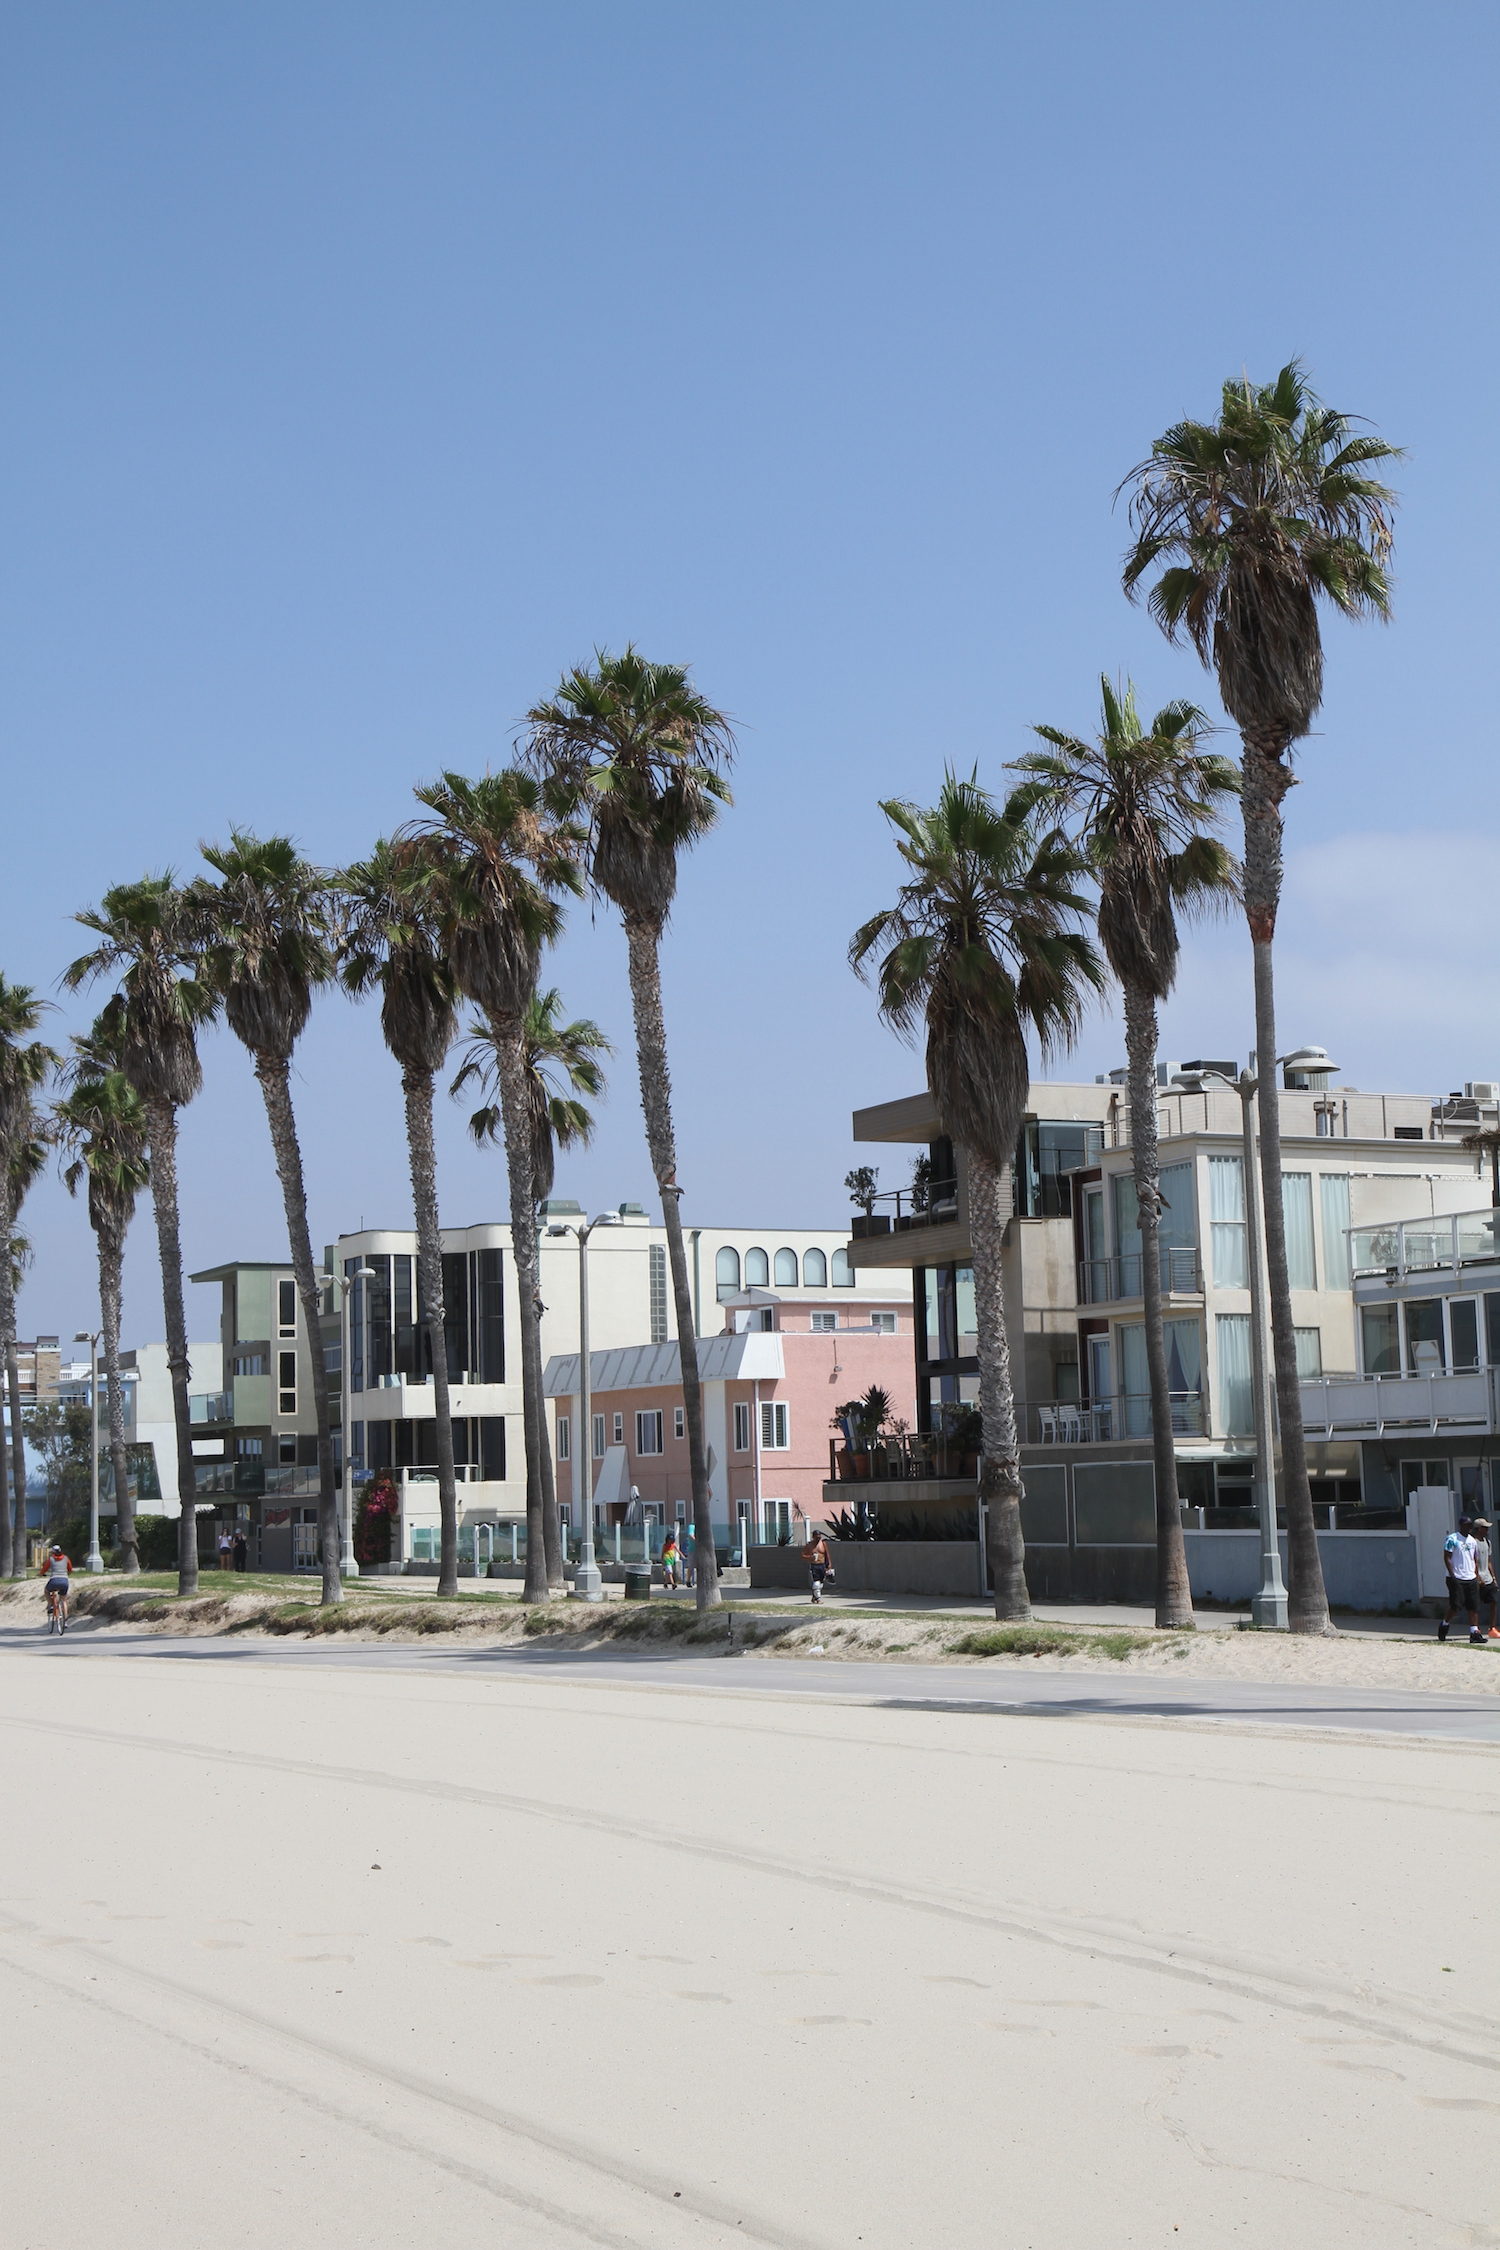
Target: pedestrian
(819, 1564)
(1460, 1562)
(225, 1544)
(671, 1558)
(241, 1550)
(1484, 1570)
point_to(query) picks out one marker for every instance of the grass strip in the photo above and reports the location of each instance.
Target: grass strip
(1048, 1640)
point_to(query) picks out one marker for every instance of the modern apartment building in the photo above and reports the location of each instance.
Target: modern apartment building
(1073, 1289)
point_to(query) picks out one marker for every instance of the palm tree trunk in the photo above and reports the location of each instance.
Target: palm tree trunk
(17, 1448)
(1174, 1594)
(551, 1520)
(161, 1121)
(656, 1103)
(274, 1073)
(422, 1153)
(12, 1530)
(511, 1062)
(1266, 782)
(111, 1265)
(7, 1529)
(1000, 1465)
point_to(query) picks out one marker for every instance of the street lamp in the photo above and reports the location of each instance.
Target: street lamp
(91, 1338)
(588, 1586)
(348, 1567)
(1268, 1608)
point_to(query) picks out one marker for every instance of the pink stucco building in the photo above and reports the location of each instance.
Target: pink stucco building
(770, 1386)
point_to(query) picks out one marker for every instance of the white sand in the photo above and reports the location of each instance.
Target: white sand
(357, 1960)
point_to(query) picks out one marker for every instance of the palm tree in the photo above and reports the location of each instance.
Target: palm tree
(102, 1121)
(149, 933)
(558, 1056)
(392, 941)
(980, 946)
(24, 1065)
(645, 753)
(1144, 800)
(500, 857)
(1486, 1142)
(1258, 517)
(268, 945)
(20, 1258)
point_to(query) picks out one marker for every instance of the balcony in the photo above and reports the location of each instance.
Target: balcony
(1106, 1421)
(206, 1408)
(1375, 1406)
(1106, 1281)
(918, 1456)
(1471, 1238)
(900, 1209)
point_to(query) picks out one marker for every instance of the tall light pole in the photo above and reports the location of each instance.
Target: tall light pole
(1268, 1608)
(588, 1586)
(348, 1567)
(91, 1338)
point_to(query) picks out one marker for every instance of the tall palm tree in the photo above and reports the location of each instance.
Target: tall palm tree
(558, 1056)
(392, 942)
(981, 947)
(101, 1120)
(149, 933)
(19, 1259)
(1144, 801)
(646, 754)
(1258, 517)
(25, 1063)
(268, 946)
(501, 855)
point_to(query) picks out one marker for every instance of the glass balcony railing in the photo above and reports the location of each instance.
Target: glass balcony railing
(211, 1406)
(1103, 1421)
(1105, 1281)
(1471, 1238)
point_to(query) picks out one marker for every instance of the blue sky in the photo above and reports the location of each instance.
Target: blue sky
(369, 364)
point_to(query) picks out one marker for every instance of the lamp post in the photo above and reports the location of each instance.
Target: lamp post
(588, 1586)
(348, 1567)
(1268, 1608)
(91, 1338)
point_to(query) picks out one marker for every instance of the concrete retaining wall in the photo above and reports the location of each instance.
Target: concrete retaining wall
(879, 1566)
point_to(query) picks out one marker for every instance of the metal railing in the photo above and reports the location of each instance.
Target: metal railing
(1127, 1414)
(1469, 1238)
(896, 1459)
(932, 1206)
(1371, 1405)
(1104, 1281)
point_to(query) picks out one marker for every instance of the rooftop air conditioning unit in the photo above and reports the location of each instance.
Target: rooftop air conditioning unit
(1482, 1090)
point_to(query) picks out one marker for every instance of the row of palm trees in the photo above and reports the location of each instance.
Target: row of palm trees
(620, 772)
(1248, 522)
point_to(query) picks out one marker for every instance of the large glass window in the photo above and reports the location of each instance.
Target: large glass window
(1184, 1376)
(814, 1270)
(1379, 1340)
(786, 1269)
(286, 1382)
(1424, 1335)
(1226, 1218)
(1333, 1190)
(1463, 1331)
(757, 1269)
(286, 1308)
(1309, 1342)
(1296, 1204)
(1236, 1385)
(1492, 1328)
(1048, 1152)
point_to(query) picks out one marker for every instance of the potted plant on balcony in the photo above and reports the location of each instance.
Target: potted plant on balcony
(861, 1185)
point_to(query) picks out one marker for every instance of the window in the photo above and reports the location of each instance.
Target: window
(776, 1522)
(883, 1323)
(843, 1272)
(1296, 1204)
(564, 1439)
(286, 1449)
(679, 1422)
(741, 1427)
(1333, 1191)
(619, 1429)
(824, 1323)
(1309, 1343)
(727, 1269)
(757, 1269)
(286, 1308)
(656, 1259)
(249, 1448)
(774, 1432)
(814, 1270)
(648, 1431)
(1226, 1219)
(786, 1269)
(1424, 1335)
(1407, 1133)
(1379, 1340)
(250, 1363)
(286, 1382)
(1046, 1155)
(1463, 1331)
(598, 1437)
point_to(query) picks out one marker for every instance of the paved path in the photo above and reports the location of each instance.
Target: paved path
(1019, 1691)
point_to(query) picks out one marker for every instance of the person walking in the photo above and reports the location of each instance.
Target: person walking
(226, 1545)
(1484, 1572)
(689, 1555)
(241, 1550)
(1460, 1561)
(671, 1559)
(819, 1564)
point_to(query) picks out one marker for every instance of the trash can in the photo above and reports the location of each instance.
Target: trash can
(638, 1582)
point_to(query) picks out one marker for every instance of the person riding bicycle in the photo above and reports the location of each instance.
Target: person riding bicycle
(57, 1570)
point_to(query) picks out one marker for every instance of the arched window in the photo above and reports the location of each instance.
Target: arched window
(814, 1270)
(727, 1268)
(786, 1269)
(757, 1269)
(843, 1272)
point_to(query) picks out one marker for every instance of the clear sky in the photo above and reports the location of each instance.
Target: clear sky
(369, 362)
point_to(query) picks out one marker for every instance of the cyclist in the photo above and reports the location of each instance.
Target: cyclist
(57, 1570)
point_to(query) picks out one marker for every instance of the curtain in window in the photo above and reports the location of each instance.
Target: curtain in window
(1335, 1198)
(1179, 1217)
(1236, 1401)
(1296, 1204)
(1309, 1351)
(1226, 1213)
(1127, 1219)
(1134, 1381)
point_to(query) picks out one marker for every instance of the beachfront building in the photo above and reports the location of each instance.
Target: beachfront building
(1072, 1269)
(773, 1381)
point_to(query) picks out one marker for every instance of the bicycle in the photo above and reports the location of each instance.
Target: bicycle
(57, 1610)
